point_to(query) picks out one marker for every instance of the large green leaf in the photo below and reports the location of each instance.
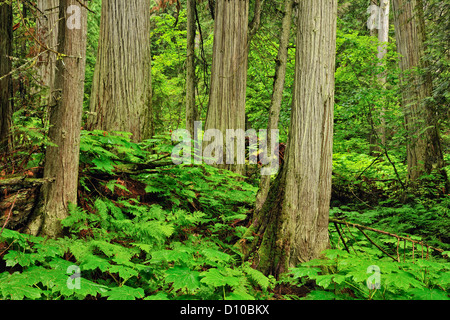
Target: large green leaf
(239, 294)
(402, 280)
(220, 278)
(124, 293)
(299, 272)
(429, 294)
(17, 287)
(183, 278)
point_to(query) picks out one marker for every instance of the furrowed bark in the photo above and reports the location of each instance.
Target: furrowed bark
(47, 33)
(277, 94)
(292, 226)
(6, 37)
(226, 108)
(191, 108)
(424, 151)
(121, 88)
(61, 162)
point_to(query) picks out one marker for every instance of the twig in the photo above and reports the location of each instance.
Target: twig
(348, 228)
(361, 200)
(382, 250)
(340, 236)
(359, 176)
(46, 48)
(85, 6)
(395, 168)
(386, 233)
(42, 45)
(404, 250)
(32, 61)
(8, 247)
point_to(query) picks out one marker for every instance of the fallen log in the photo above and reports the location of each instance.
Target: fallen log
(16, 207)
(23, 181)
(136, 168)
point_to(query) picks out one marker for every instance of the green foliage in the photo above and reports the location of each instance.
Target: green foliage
(371, 178)
(93, 25)
(361, 101)
(101, 150)
(174, 239)
(131, 249)
(345, 276)
(168, 232)
(169, 71)
(261, 71)
(437, 14)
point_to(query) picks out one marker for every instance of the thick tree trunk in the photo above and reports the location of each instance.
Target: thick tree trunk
(226, 108)
(293, 223)
(424, 151)
(47, 33)
(191, 108)
(6, 37)
(277, 94)
(61, 162)
(121, 88)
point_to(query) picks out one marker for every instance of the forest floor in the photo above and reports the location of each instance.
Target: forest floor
(145, 229)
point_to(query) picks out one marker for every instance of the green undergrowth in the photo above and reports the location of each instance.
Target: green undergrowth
(145, 229)
(345, 275)
(129, 250)
(167, 233)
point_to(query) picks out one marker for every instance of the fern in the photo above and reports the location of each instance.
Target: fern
(261, 280)
(127, 249)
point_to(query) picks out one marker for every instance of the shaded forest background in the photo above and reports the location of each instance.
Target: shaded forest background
(143, 228)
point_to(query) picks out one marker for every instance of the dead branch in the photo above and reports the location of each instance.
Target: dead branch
(359, 226)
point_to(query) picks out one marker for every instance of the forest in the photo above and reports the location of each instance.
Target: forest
(271, 150)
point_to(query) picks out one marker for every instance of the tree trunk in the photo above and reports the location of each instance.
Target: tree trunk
(380, 29)
(121, 88)
(226, 108)
(373, 19)
(293, 222)
(47, 34)
(424, 151)
(191, 108)
(61, 162)
(6, 37)
(277, 94)
(256, 21)
(383, 39)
